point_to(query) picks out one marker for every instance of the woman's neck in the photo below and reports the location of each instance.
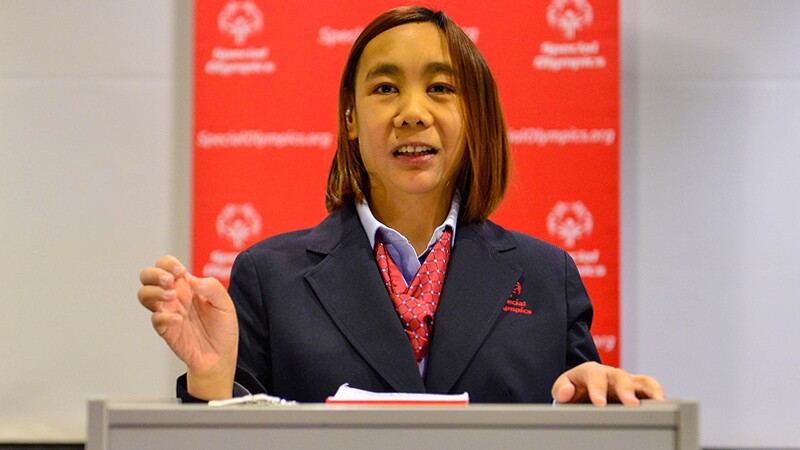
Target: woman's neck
(414, 216)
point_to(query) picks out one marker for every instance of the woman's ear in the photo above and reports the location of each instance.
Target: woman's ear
(350, 121)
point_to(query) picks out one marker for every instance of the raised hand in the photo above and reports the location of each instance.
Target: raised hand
(196, 318)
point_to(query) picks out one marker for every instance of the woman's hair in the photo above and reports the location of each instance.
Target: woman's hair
(483, 176)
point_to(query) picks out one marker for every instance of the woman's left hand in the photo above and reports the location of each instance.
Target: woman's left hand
(599, 384)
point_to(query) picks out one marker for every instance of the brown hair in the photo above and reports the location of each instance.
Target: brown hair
(483, 176)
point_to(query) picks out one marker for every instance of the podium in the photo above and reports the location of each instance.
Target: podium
(118, 425)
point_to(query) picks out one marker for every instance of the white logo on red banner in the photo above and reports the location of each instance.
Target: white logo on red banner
(238, 223)
(261, 139)
(605, 342)
(570, 222)
(562, 136)
(473, 32)
(240, 19)
(329, 36)
(570, 16)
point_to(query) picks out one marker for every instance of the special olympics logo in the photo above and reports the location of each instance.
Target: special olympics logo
(570, 16)
(570, 222)
(240, 20)
(238, 223)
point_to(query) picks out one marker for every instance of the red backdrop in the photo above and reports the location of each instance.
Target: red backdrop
(266, 77)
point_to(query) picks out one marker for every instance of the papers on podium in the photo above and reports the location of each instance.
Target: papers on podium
(347, 395)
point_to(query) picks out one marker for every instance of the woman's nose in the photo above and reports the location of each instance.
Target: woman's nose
(413, 112)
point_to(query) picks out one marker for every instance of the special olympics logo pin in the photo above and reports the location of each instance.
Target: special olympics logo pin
(570, 222)
(238, 223)
(240, 19)
(570, 16)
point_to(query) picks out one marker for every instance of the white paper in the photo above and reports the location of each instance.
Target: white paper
(347, 393)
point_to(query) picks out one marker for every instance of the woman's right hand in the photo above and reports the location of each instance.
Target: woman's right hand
(196, 318)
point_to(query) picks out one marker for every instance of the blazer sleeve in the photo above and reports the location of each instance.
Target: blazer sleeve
(244, 384)
(254, 357)
(580, 344)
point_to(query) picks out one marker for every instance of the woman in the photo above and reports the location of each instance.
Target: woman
(406, 285)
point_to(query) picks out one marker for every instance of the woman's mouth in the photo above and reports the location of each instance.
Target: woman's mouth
(414, 150)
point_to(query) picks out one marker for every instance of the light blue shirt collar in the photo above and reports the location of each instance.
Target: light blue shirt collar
(398, 246)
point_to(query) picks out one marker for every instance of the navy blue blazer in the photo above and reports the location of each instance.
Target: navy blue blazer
(314, 313)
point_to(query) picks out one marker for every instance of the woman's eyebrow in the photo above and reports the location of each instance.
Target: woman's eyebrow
(435, 68)
(383, 69)
(390, 69)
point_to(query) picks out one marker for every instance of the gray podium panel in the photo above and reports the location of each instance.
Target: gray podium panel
(169, 425)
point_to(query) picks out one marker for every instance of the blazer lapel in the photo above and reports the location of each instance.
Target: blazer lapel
(477, 284)
(350, 288)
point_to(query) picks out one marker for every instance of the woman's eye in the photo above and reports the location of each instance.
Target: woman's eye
(440, 89)
(385, 89)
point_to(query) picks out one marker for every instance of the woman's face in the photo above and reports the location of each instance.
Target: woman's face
(406, 115)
